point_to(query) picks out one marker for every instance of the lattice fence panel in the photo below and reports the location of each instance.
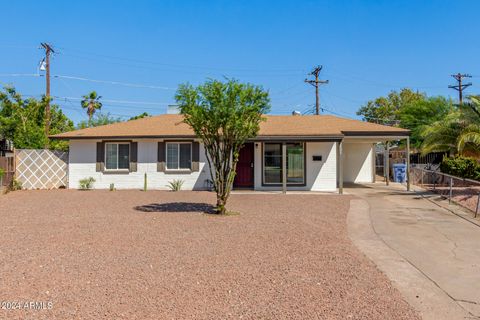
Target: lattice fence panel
(41, 169)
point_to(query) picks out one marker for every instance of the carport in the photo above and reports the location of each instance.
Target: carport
(356, 157)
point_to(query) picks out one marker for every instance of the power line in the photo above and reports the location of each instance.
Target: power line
(315, 72)
(460, 86)
(20, 75)
(135, 85)
(182, 65)
(121, 101)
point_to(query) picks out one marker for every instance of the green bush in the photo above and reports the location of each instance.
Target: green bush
(86, 184)
(463, 167)
(2, 173)
(15, 185)
(175, 185)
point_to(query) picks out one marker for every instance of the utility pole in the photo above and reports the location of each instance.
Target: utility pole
(48, 51)
(460, 86)
(315, 72)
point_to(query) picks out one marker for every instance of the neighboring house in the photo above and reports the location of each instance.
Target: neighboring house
(165, 148)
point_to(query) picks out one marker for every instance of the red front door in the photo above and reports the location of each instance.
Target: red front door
(244, 176)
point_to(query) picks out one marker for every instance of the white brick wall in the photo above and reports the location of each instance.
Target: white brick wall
(82, 164)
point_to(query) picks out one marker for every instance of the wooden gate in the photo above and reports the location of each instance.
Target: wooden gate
(8, 165)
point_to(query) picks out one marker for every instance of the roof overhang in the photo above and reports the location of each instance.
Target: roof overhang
(402, 134)
(123, 137)
(325, 138)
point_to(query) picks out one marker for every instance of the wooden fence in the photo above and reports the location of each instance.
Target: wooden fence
(41, 169)
(8, 165)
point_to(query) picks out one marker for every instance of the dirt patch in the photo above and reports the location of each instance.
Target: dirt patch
(155, 255)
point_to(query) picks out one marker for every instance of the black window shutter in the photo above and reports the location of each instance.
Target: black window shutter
(195, 156)
(100, 156)
(133, 156)
(161, 157)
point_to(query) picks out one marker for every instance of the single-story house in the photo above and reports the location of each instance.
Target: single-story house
(292, 152)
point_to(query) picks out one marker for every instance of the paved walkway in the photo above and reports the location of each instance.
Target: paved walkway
(430, 254)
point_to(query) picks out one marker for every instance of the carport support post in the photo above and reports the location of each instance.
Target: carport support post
(284, 167)
(387, 163)
(340, 166)
(408, 165)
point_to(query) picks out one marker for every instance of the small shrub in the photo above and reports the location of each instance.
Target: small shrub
(15, 185)
(175, 185)
(463, 167)
(86, 184)
(112, 187)
(2, 173)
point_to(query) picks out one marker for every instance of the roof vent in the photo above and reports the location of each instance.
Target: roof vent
(173, 109)
(296, 113)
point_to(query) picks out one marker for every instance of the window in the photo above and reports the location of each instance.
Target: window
(117, 156)
(272, 165)
(179, 155)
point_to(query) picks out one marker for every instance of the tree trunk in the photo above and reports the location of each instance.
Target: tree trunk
(221, 209)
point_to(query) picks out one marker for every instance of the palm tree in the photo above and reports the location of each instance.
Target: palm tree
(469, 138)
(92, 103)
(457, 133)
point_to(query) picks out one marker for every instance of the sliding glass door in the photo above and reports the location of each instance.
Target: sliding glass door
(272, 167)
(295, 163)
(272, 163)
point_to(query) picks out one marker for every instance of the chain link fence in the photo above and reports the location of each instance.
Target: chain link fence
(464, 192)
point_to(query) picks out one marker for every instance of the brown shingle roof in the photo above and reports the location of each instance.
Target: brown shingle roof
(172, 125)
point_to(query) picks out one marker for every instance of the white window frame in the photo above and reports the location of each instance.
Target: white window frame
(129, 154)
(178, 155)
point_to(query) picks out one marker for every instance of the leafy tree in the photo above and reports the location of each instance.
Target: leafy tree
(99, 119)
(223, 115)
(384, 110)
(91, 102)
(59, 123)
(23, 121)
(418, 114)
(140, 116)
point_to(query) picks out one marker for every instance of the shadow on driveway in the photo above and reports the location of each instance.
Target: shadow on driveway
(176, 207)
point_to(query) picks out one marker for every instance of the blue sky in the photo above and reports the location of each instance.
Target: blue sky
(367, 48)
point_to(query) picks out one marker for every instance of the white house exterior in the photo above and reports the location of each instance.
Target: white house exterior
(316, 153)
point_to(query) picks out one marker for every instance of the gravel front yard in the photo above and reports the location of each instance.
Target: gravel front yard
(143, 255)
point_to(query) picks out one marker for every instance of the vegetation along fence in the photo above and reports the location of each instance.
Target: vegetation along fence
(41, 169)
(464, 192)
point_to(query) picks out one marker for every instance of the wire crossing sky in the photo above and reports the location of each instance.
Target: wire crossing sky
(136, 53)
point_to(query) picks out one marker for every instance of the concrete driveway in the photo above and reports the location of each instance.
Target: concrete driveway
(429, 253)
